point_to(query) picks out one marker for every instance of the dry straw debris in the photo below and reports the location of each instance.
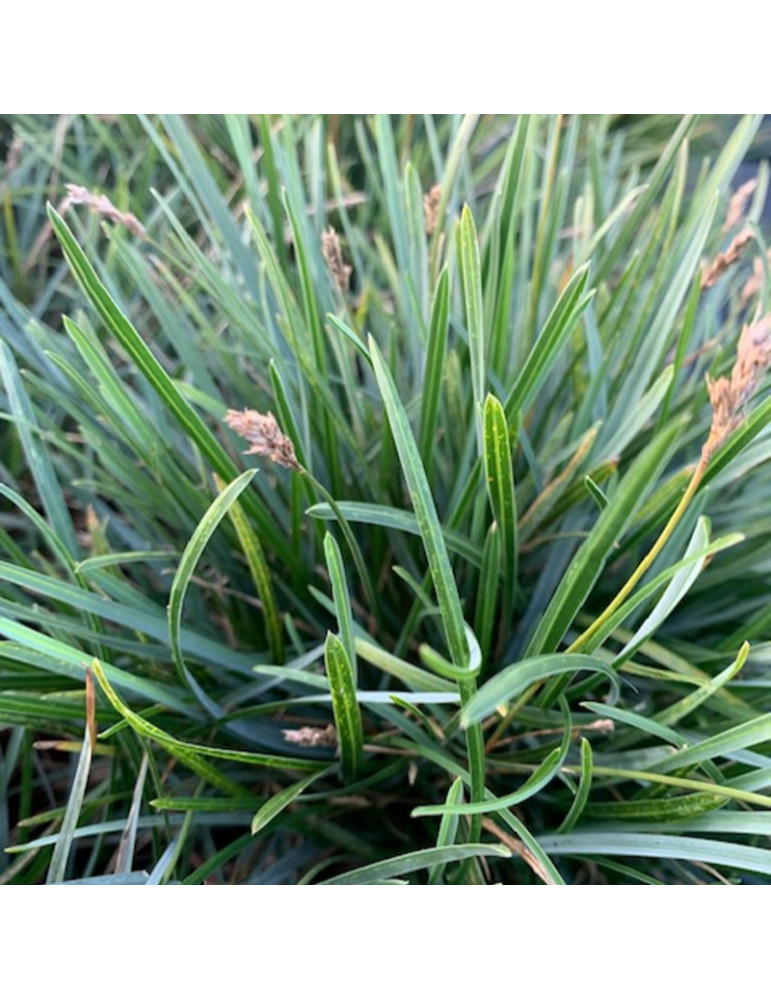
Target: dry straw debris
(341, 272)
(264, 435)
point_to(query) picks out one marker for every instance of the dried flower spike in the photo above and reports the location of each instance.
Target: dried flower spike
(723, 261)
(431, 208)
(738, 204)
(728, 396)
(312, 736)
(341, 272)
(264, 435)
(755, 282)
(101, 204)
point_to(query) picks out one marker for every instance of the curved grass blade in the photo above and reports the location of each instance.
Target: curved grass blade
(448, 829)
(67, 661)
(540, 777)
(649, 845)
(518, 677)
(584, 788)
(674, 713)
(190, 752)
(260, 573)
(279, 802)
(395, 520)
(415, 861)
(193, 551)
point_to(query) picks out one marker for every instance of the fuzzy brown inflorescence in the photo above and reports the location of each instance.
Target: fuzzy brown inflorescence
(333, 252)
(431, 208)
(738, 204)
(312, 736)
(728, 258)
(729, 396)
(101, 204)
(265, 437)
(755, 281)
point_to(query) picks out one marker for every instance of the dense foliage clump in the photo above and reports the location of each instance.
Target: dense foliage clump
(383, 500)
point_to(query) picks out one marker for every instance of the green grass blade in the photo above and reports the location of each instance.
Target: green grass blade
(587, 564)
(345, 706)
(341, 598)
(187, 564)
(448, 830)
(260, 573)
(189, 753)
(38, 459)
(425, 511)
(515, 679)
(471, 280)
(487, 594)
(584, 790)
(416, 861)
(58, 867)
(162, 384)
(559, 325)
(499, 474)
(432, 381)
(279, 802)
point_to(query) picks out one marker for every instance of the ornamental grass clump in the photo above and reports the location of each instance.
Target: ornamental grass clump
(384, 500)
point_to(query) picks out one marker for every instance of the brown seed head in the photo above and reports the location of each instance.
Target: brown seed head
(755, 281)
(729, 396)
(712, 271)
(101, 204)
(738, 204)
(264, 435)
(330, 246)
(431, 208)
(312, 736)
